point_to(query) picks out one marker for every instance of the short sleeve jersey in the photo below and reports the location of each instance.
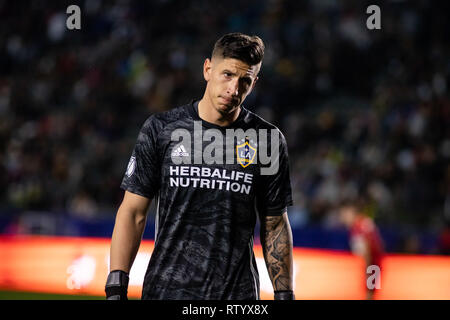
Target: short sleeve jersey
(366, 229)
(209, 185)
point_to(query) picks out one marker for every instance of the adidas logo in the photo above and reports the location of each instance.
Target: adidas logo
(180, 152)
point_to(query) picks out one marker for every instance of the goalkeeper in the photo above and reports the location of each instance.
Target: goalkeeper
(206, 215)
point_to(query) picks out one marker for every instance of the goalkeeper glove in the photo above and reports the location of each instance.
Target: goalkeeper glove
(284, 295)
(116, 287)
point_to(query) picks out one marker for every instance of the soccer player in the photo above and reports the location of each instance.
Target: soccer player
(207, 210)
(365, 240)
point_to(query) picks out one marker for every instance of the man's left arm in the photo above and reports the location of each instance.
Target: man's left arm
(276, 241)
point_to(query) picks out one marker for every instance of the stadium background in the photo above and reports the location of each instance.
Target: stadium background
(365, 113)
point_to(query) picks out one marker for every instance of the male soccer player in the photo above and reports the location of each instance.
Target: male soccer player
(207, 210)
(365, 239)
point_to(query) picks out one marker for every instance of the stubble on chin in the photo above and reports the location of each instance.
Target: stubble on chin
(225, 111)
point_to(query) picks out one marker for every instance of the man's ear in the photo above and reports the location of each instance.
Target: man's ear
(254, 82)
(207, 69)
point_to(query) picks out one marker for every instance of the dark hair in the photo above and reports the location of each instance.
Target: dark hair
(358, 204)
(249, 49)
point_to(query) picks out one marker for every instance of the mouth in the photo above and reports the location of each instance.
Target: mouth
(229, 101)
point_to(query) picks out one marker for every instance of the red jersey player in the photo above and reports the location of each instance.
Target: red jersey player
(365, 239)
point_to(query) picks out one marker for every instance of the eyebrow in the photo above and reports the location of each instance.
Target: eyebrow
(246, 77)
(228, 71)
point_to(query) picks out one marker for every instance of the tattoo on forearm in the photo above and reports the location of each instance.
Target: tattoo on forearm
(278, 252)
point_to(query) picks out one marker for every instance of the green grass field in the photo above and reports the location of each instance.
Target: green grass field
(16, 295)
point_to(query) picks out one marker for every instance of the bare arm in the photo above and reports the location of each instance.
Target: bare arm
(276, 241)
(128, 229)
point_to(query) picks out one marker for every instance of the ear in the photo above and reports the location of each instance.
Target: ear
(254, 83)
(207, 69)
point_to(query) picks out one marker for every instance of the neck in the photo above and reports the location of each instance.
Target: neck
(207, 112)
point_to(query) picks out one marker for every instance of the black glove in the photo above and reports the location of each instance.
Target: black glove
(284, 295)
(117, 285)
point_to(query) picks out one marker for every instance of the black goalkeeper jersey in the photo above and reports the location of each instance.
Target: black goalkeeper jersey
(206, 210)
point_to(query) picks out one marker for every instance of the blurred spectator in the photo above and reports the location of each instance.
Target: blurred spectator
(83, 206)
(444, 237)
(411, 244)
(364, 112)
(15, 227)
(444, 240)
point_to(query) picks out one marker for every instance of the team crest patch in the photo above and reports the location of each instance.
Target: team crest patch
(245, 153)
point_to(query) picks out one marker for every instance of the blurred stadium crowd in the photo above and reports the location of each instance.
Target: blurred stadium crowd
(366, 113)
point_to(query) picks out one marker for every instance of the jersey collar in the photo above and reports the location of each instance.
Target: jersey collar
(193, 111)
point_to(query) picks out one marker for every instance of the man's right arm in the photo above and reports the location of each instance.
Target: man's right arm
(128, 229)
(127, 235)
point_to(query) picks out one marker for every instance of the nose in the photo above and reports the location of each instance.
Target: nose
(233, 87)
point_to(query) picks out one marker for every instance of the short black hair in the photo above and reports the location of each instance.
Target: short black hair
(236, 45)
(357, 203)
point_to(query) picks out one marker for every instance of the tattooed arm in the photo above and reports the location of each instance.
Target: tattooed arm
(276, 241)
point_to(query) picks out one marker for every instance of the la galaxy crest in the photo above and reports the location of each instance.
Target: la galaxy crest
(245, 152)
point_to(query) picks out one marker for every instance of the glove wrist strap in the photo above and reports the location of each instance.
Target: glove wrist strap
(284, 295)
(117, 278)
(117, 285)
